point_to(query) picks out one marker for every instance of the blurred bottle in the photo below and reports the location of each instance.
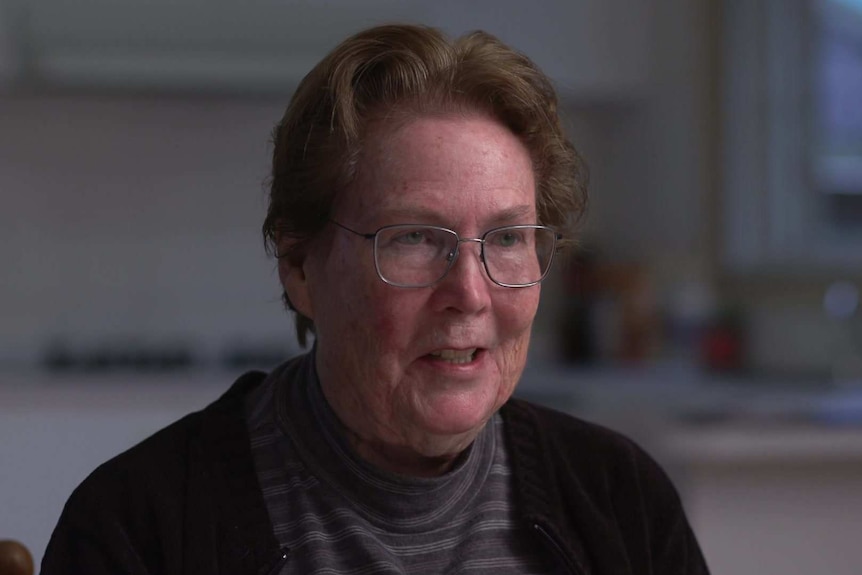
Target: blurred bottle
(610, 314)
(841, 304)
(722, 342)
(689, 308)
(576, 323)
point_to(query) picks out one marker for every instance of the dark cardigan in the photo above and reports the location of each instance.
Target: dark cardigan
(186, 500)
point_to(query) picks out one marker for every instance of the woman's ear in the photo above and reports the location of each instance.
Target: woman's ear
(292, 264)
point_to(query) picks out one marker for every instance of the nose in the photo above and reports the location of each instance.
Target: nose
(466, 288)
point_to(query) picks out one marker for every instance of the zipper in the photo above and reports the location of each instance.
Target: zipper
(274, 566)
(570, 564)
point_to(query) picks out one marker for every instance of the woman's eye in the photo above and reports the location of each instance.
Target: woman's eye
(411, 238)
(508, 239)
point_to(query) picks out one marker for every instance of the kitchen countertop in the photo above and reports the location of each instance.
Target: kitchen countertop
(702, 413)
(56, 428)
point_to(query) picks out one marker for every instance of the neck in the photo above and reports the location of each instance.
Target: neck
(401, 460)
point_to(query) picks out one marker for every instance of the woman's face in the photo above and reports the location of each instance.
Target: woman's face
(418, 371)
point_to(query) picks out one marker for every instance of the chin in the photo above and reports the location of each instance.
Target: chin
(454, 417)
(442, 445)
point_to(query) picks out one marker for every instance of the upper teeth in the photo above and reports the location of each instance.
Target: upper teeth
(456, 355)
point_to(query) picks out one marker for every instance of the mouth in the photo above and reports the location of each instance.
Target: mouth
(455, 356)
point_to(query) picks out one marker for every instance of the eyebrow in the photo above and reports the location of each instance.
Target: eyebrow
(514, 213)
(432, 217)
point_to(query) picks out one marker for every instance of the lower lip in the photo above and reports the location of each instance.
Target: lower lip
(470, 366)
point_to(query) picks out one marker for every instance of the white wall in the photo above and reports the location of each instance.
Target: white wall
(125, 217)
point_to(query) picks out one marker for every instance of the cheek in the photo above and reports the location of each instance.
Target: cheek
(395, 315)
(515, 320)
(379, 319)
(516, 312)
(343, 297)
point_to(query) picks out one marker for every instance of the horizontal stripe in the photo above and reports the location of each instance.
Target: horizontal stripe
(338, 515)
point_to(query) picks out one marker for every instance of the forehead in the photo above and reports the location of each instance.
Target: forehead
(440, 167)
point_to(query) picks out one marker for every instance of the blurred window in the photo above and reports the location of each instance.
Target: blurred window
(837, 97)
(792, 136)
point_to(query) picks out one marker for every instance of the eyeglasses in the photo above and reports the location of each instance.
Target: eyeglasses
(415, 256)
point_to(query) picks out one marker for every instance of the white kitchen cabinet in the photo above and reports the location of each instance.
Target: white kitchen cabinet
(10, 43)
(596, 49)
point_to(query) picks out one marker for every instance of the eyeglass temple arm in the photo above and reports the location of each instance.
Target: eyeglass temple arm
(342, 226)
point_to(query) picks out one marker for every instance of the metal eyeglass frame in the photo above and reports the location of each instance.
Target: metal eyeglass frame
(453, 256)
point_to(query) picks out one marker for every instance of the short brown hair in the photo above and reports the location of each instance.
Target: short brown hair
(410, 71)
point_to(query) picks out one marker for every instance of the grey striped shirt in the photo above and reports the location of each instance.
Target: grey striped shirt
(338, 514)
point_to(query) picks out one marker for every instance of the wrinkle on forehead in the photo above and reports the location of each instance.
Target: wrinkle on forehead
(388, 178)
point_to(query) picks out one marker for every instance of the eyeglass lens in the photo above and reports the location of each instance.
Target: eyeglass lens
(416, 256)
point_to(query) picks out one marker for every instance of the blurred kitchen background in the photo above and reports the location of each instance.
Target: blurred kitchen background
(712, 311)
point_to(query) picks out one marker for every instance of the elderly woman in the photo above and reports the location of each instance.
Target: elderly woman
(420, 191)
